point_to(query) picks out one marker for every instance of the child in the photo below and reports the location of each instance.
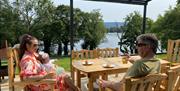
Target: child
(49, 66)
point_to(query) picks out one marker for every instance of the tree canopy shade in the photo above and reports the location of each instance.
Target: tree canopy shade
(136, 2)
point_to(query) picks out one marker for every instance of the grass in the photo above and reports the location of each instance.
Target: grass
(63, 62)
(161, 56)
(4, 62)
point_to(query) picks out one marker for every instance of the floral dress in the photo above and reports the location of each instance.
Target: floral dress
(31, 67)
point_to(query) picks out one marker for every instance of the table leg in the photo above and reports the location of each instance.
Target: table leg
(78, 78)
(90, 83)
(104, 77)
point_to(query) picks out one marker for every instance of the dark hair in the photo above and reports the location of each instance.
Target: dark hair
(25, 39)
(24, 36)
(149, 38)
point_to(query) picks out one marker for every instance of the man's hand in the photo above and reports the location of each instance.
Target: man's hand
(132, 59)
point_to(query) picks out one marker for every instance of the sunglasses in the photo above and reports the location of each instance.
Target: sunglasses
(140, 44)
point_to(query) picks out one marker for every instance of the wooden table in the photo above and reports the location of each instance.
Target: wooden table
(96, 69)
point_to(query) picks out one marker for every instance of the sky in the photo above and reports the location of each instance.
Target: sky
(116, 12)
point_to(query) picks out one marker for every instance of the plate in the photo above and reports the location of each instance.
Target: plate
(108, 65)
(87, 63)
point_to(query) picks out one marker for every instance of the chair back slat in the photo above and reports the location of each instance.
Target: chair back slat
(16, 57)
(11, 69)
(132, 88)
(149, 86)
(173, 78)
(108, 52)
(177, 85)
(169, 51)
(84, 54)
(176, 50)
(148, 83)
(173, 51)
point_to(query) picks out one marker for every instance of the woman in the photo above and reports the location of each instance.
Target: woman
(32, 69)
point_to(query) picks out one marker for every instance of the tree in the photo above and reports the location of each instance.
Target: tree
(62, 18)
(9, 23)
(168, 26)
(178, 1)
(49, 24)
(26, 11)
(45, 27)
(131, 29)
(92, 29)
(114, 29)
(37, 19)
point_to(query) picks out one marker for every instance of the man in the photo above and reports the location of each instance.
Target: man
(147, 63)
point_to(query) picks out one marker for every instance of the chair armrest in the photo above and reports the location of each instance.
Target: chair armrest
(24, 83)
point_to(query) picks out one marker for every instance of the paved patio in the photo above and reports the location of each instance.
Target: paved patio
(5, 84)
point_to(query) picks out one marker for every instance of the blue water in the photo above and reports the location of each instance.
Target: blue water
(110, 41)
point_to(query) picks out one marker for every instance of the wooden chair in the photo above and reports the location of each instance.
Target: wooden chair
(173, 51)
(12, 54)
(108, 52)
(80, 55)
(173, 79)
(150, 82)
(84, 54)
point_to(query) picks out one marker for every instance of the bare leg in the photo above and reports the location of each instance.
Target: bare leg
(115, 86)
(70, 83)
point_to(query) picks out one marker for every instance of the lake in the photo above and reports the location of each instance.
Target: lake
(110, 41)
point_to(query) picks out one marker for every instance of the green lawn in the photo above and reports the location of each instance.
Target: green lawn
(4, 62)
(162, 56)
(65, 61)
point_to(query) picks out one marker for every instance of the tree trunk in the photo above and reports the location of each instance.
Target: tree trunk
(85, 45)
(47, 45)
(65, 48)
(92, 46)
(60, 49)
(131, 50)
